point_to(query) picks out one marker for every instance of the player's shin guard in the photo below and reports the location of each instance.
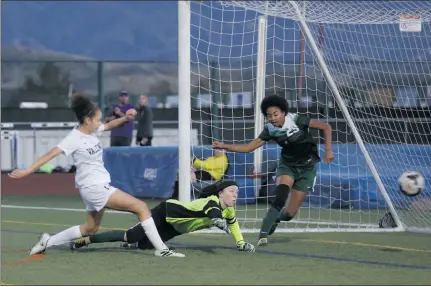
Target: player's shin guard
(281, 195)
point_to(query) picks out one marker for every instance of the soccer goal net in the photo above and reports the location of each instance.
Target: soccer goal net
(362, 67)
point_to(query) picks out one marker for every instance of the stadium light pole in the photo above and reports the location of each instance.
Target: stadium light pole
(184, 103)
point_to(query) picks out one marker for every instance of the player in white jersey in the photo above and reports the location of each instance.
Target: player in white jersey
(93, 180)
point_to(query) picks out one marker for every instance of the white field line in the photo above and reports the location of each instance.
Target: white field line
(332, 223)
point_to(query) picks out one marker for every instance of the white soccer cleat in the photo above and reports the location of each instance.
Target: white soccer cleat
(41, 245)
(262, 242)
(168, 253)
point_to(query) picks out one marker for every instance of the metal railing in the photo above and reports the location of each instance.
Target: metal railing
(23, 142)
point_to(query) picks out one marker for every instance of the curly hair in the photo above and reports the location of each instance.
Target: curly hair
(83, 107)
(273, 101)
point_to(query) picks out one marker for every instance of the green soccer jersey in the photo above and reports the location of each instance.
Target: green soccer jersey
(197, 214)
(298, 146)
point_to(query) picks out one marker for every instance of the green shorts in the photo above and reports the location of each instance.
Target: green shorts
(304, 178)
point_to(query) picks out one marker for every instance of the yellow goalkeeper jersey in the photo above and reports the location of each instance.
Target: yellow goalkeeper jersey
(197, 214)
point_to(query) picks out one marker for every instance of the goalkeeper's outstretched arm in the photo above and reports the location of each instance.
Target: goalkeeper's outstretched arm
(236, 232)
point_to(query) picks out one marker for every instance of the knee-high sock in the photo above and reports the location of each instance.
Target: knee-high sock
(152, 234)
(64, 236)
(146, 228)
(270, 218)
(281, 195)
(107, 236)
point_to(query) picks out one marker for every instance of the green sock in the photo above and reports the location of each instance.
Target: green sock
(270, 218)
(282, 217)
(108, 236)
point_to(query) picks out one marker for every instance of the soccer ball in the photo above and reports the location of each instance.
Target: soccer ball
(411, 183)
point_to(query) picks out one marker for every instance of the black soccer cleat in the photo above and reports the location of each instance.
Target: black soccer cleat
(76, 244)
(129, 245)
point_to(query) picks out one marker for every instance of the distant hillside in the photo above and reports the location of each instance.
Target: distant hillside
(161, 79)
(147, 31)
(144, 33)
(106, 30)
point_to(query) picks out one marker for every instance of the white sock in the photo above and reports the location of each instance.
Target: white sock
(152, 233)
(64, 236)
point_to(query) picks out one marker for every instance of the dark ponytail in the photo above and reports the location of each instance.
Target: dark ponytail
(82, 107)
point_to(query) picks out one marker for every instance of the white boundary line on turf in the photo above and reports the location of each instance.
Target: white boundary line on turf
(57, 208)
(329, 223)
(323, 222)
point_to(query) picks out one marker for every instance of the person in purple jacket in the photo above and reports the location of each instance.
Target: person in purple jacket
(122, 135)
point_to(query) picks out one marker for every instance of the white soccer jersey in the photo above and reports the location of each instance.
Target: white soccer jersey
(87, 154)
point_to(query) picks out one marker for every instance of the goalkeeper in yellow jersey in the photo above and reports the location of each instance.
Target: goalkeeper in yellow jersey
(172, 217)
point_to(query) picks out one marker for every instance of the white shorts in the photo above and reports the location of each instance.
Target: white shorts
(95, 197)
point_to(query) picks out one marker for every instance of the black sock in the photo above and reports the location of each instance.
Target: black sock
(281, 194)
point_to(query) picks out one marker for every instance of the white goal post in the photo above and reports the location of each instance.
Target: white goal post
(364, 67)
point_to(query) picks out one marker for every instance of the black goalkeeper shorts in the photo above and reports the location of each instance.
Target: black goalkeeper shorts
(166, 230)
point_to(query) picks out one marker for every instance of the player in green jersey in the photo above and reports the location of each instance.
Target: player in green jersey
(214, 207)
(296, 171)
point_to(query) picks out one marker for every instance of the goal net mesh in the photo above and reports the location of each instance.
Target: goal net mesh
(381, 71)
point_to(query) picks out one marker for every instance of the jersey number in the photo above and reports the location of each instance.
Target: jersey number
(292, 131)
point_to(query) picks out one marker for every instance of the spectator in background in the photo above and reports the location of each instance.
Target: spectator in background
(145, 122)
(211, 169)
(122, 135)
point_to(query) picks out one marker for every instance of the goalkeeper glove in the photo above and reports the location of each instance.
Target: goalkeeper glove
(245, 246)
(220, 223)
